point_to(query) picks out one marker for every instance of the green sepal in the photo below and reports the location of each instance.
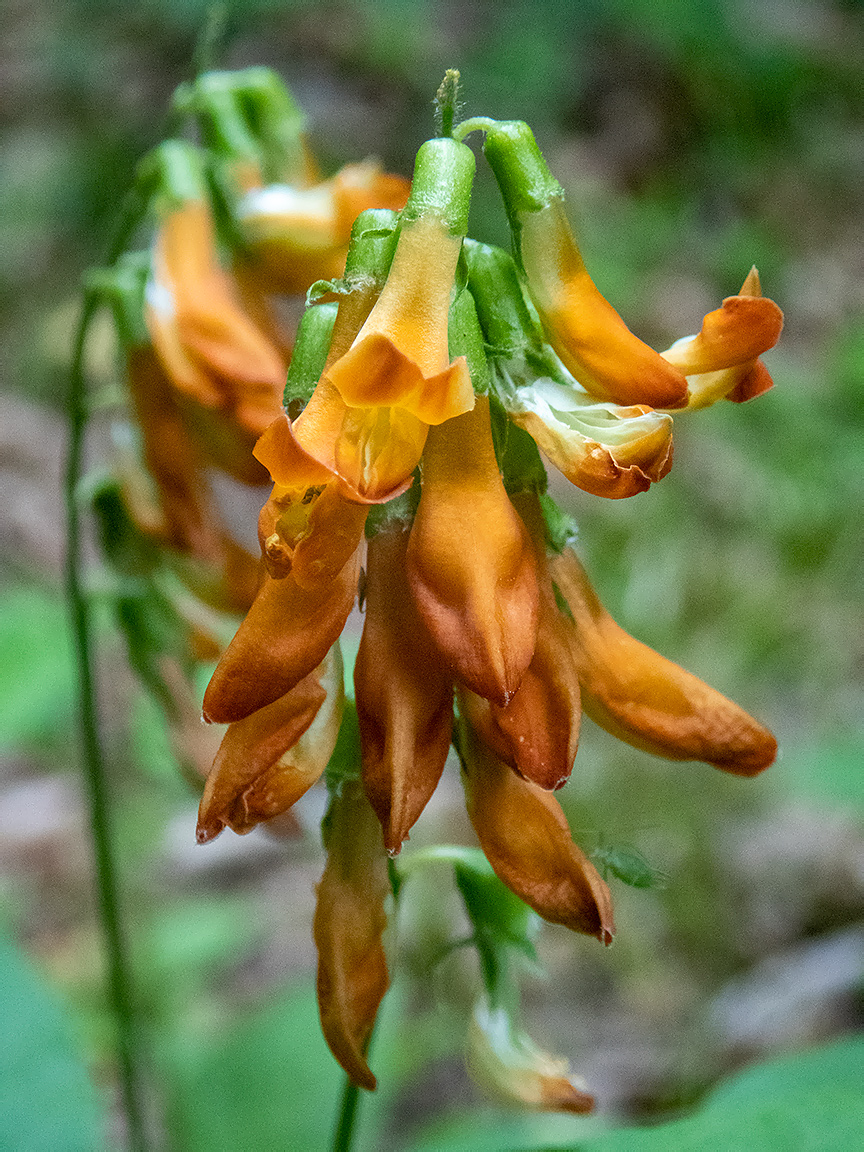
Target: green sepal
(310, 352)
(124, 546)
(627, 865)
(522, 468)
(122, 288)
(374, 236)
(345, 763)
(277, 121)
(441, 188)
(523, 176)
(464, 338)
(213, 98)
(561, 529)
(172, 174)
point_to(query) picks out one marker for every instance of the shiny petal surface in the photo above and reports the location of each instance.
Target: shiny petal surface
(645, 699)
(286, 634)
(585, 330)
(349, 924)
(527, 840)
(404, 695)
(471, 567)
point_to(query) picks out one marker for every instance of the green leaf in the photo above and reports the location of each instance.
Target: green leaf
(810, 1102)
(46, 1099)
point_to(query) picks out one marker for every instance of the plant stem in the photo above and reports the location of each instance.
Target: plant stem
(343, 1137)
(119, 984)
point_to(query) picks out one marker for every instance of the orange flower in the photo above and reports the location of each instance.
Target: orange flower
(471, 566)
(296, 236)
(537, 732)
(267, 761)
(404, 694)
(723, 358)
(286, 634)
(527, 840)
(369, 417)
(227, 374)
(587, 333)
(645, 699)
(349, 924)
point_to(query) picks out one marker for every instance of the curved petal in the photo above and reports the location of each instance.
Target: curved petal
(585, 330)
(645, 699)
(267, 761)
(349, 925)
(286, 634)
(404, 695)
(527, 840)
(471, 567)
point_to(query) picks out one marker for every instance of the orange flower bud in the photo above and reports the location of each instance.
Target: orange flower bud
(286, 634)
(349, 924)
(537, 733)
(471, 566)
(267, 761)
(404, 695)
(527, 840)
(723, 358)
(645, 699)
(229, 374)
(583, 327)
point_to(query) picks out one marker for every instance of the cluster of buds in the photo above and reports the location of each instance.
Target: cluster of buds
(428, 375)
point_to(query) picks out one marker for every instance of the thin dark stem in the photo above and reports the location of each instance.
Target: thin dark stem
(343, 1137)
(119, 983)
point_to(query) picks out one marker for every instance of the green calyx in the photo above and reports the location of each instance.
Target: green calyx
(310, 352)
(122, 288)
(441, 188)
(172, 174)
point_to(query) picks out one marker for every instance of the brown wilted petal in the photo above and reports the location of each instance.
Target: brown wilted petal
(471, 567)
(527, 840)
(286, 634)
(267, 761)
(349, 924)
(645, 699)
(404, 695)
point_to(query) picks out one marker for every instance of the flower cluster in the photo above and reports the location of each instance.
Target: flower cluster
(427, 376)
(423, 383)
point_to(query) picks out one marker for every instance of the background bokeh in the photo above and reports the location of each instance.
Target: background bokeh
(695, 138)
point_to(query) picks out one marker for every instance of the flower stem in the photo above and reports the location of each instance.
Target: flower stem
(343, 1137)
(119, 983)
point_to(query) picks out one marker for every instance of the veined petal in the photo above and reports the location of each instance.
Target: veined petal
(645, 699)
(527, 840)
(404, 695)
(508, 1065)
(267, 761)
(723, 358)
(471, 567)
(286, 634)
(585, 330)
(604, 449)
(349, 924)
(374, 450)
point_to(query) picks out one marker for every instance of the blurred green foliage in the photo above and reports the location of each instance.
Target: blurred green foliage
(694, 138)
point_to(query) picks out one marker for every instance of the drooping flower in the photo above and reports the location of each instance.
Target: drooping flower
(506, 1063)
(587, 333)
(722, 359)
(645, 699)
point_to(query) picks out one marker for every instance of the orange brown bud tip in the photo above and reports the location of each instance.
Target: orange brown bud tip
(527, 840)
(645, 699)
(286, 634)
(508, 1065)
(723, 358)
(584, 329)
(267, 761)
(471, 567)
(349, 924)
(404, 695)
